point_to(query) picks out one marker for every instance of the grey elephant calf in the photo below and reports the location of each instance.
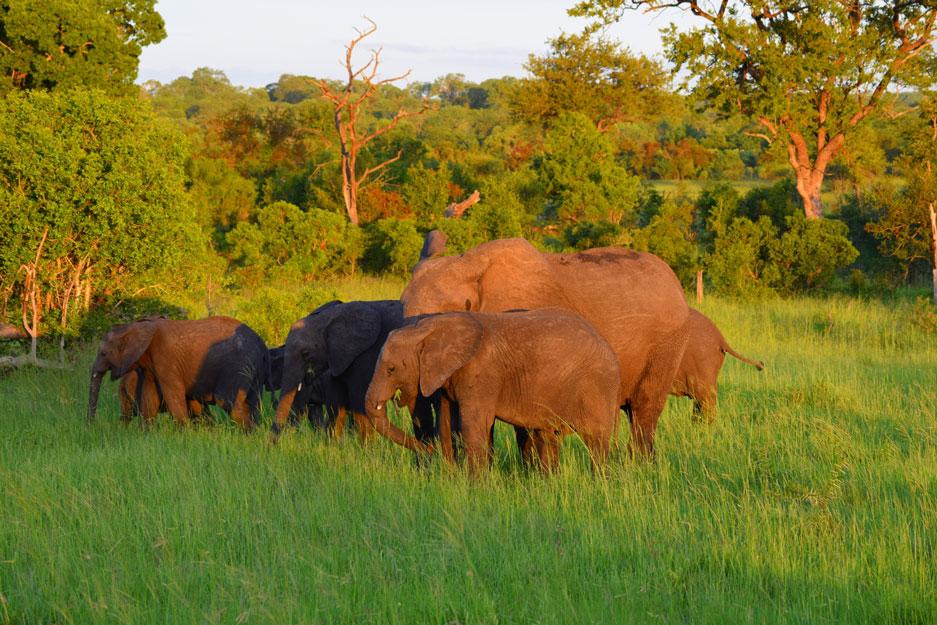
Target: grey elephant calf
(698, 375)
(545, 370)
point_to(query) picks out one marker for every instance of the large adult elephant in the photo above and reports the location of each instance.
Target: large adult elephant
(633, 299)
(215, 360)
(338, 345)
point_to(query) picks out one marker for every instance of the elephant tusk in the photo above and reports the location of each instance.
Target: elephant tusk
(300, 387)
(378, 406)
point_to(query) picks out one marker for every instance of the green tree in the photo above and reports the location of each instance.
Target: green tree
(903, 228)
(810, 252)
(392, 246)
(671, 236)
(595, 77)
(580, 177)
(284, 240)
(426, 192)
(740, 263)
(807, 73)
(66, 43)
(96, 184)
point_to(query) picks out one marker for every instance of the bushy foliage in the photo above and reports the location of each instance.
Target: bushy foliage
(220, 195)
(809, 253)
(391, 246)
(740, 263)
(671, 236)
(754, 257)
(271, 309)
(59, 44)
(579, 176)
(496, 216)
(294, 244)
(104, 179)
(778, 202)
(426, 192)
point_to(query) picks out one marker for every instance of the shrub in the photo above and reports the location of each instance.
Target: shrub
(811, 251)
(580, 177)
(294, 244)
(740, 264)
(271, 310)
(392, 246)
(777, 202)
(670, 235)
(426, 192)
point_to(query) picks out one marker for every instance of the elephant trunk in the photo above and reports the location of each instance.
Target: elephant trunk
(376, 407)
(291, 381)
(284, 407)
(93, 392)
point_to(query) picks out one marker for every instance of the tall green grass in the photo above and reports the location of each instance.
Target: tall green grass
(811, 499)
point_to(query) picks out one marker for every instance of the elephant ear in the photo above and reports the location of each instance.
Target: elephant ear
(451, 342)
(130, 345)
(354, 329)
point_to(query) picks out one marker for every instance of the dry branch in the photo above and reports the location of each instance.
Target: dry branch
(456, 209)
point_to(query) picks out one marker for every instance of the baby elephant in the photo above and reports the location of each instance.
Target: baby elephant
(698, 375)
(545, 370)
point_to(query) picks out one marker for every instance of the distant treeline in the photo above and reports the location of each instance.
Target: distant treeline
(180, 191)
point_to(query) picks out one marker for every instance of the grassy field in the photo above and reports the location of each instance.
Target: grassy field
(812, 499)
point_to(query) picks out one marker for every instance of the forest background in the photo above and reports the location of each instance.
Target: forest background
(198, 196)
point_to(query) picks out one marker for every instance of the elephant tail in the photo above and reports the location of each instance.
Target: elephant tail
(755, 363)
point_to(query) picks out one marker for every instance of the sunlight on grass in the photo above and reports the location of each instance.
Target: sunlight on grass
(812, 498)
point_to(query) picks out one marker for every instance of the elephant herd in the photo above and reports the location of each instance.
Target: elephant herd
(550, 343)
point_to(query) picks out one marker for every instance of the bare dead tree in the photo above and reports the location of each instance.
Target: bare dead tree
(31, 299)
(348, 103)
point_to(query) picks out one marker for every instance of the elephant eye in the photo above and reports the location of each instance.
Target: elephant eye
(468, 304)
(391, 369)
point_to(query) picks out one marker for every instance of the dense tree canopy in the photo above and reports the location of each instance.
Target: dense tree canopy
(808, 74)
(593, 76)
(67, 43)
(100, 182)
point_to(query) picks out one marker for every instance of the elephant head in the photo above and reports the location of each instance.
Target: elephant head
(495, 276)
(325, 342)
(419, 359)
(122, 349)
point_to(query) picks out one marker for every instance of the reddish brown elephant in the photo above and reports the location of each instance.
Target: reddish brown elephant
(218, 360)
(139, 396)
(547, 371)
(698, 375)
(632, 299)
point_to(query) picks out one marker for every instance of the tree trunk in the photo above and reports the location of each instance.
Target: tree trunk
(933, 231)
(348, 191)
(809, 183)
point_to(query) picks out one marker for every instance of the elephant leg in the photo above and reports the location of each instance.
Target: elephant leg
(652, 390)
(598, 444)
(547, 445)
(363, 425)
(444, 421)
(527, 446)
(704, 405)
(240, 411)
(196, 408)
(338, 429)
(476, 429)
(174, 396)
(149, 400)
(127, 404)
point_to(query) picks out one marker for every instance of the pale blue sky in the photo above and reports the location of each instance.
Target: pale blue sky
(254, 42)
